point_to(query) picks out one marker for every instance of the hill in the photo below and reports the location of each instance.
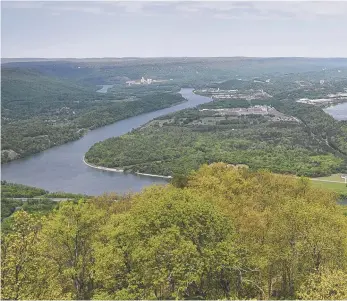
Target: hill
(226, 233)
(40, 111)
(26, 93)
(244, 125)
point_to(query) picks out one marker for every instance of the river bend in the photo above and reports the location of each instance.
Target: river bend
(61, 168)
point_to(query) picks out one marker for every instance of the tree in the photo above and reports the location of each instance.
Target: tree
(67, 238)
(288, 228)
(325, 285)
(19, 257)
(230, 233)
(167, 246)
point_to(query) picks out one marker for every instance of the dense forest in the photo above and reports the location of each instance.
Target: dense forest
(16, 197)
(222, 233)
(313, 145)
(48, 103)
(184, 71)
(39, 112)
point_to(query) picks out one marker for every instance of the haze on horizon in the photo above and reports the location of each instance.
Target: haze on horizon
(67, 29)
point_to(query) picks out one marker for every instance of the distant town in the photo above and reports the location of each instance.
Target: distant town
(234, 94)
(144, 81)
(263, 110)
(329, 100)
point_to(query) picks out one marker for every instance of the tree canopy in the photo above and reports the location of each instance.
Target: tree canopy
(224, 233)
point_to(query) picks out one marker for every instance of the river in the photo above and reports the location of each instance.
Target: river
(339, 112)
(61, 168)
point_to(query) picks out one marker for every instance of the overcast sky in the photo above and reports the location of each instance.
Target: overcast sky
(151, 29)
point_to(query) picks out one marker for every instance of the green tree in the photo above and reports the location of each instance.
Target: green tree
(167, 246)
(325, 285)
(19, 257)
(67, 238)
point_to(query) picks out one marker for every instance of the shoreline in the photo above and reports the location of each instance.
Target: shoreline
(101, 167)
(87, 130)
(153, 175)
(334, 104)
(331, 110)
(122, 170)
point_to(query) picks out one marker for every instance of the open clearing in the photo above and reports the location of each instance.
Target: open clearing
(337, 187)
(335, 178)
(333, 182)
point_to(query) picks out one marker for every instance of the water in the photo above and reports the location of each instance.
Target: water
(339, 112)
(104, 88)
(61, 168)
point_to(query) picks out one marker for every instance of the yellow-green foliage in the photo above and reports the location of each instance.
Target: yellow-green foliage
(228, 234)
(326, 285)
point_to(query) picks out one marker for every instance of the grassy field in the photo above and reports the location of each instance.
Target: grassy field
(337, 187)
(335, 177)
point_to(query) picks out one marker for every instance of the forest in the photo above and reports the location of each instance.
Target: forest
(182, 141)
(220, 233)
(184, 71)
(16, 197)
(39, 112)
(49, 103)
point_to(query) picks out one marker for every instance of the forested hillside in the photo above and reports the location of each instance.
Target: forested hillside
(48, 103)
(313, 144)
(27, 93)
(184, 71)
(16, 197)
(223, 233)
(40, 111)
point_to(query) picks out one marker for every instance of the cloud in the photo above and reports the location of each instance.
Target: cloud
(208, 9)
(56, 6)
(22, 4)
(265, 9)
(83, 8)
(130, 7)
(302, 10)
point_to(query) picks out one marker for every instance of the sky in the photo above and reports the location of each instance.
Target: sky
(85, 29)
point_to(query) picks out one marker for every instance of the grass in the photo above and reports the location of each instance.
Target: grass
(335, 177)
(337, 187)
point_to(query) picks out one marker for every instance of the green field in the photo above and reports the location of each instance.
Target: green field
(337, 187)
(334, 177)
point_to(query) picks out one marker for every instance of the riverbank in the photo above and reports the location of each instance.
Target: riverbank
(122, 170)
(85, 124)
(101, 167)
(332, 104)
(67, 171)
(152, 175)
(338, 111)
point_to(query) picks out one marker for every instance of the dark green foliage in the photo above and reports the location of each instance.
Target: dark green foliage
(31, 199)
(37, 206)
(286, 147)
(106, 114)
(26, 93)
(8, 206)
(316, 145)
(11, 190)
(65, 195)
(40, 111)
(41, 206)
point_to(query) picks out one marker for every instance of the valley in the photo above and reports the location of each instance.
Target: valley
(173, 150)
(238, 126)
(254, 120)
(40, 112)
